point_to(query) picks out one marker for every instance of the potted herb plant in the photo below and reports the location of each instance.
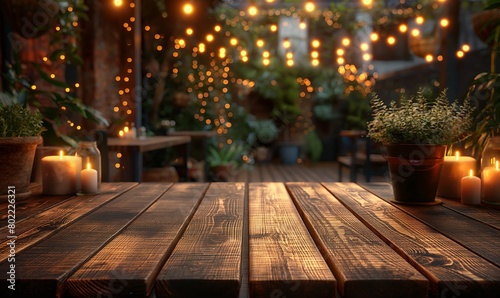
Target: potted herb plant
(416, 131)
(20, 134)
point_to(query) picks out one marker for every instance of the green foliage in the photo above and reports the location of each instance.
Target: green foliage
(227, 155)
(314, 147)
(17, 121)
(419, 120)
(265, 130)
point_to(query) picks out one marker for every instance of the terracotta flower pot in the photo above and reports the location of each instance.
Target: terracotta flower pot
(415, 172)
(16, 162)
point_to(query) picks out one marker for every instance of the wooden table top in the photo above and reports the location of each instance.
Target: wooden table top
(195, 134)
(297, 239)
(149, 143)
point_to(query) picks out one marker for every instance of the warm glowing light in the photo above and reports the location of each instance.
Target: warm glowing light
(260, 43)
(266, 62)
(118, 2)
(367, 57)
(391, 40)
(188, 8)
(62, 57)
(460, 54)
(217, 28)
(243, 53)
(266, 54)
(340, 60)
(314, 54)
(415, 32)
(289, 63)
(210, 37)
(465, 48)
(429, 58)
(233, 41)
(367, 2)
(289, 55)
(302, 25)
(419, 20)
(315, 43)
(274, 28)
(33, 87)
(374, 36)
(147, 28)
(286, 43)
(189, 31)
(340, 52)
(309, 6)
(315, 62)
(403, 28)
(346, 41)
(252, 10)
(364, 46)
(444, 22)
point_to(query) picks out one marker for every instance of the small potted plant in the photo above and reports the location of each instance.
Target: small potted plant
(223, 161)
(266, 132)
(20, 134)
(416, 131)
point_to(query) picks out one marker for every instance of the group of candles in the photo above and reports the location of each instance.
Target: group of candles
(63, 175)
(128, 133)
(458, 180)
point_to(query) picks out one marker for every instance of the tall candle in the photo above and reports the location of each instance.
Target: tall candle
(471, 189)
(89, 180)
(454, 169)
(61, 174)
(491, 184)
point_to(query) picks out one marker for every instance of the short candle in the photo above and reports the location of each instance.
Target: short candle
(61, 174)
(491, 184)
(454, 169)
(89, 180)
(471, 189)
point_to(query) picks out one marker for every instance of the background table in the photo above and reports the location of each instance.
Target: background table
(297, 239)
(132, 150)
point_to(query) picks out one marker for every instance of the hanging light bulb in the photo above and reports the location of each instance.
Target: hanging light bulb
(309, 6)
(188, 8)
(252, 9)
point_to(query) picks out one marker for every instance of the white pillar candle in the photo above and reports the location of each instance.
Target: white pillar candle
(471, 189)
(89, 180)
(61, 174)
(454, 169)
(491, 184)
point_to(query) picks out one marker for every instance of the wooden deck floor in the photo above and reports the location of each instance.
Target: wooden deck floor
(278, 172)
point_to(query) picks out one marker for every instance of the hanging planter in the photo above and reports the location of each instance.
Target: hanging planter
(30, 18)
(423, 46)
(484, 22)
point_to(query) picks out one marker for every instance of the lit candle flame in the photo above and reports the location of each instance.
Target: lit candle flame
(496, 165)
(88, 166)
(120, 133)
(457, 154)
(470, 173)
(60, 154)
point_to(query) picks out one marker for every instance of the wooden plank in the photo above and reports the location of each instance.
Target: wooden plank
(464, 230)
(266, 173)
(33, 205)
(486, 213)
(133, 259)
(283, 258)
(207, 259)
(42, 269)
(450, 267)
(43, 224)
(344, 240)
(148, 144)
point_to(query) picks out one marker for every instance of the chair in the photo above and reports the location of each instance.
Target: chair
(367, 156)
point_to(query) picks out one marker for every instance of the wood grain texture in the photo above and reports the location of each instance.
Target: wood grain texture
(129, 264)
(42, 269)
(47, 222)
(207, 259)
(283, 258)
(450, 267)
(471, 233)
(344, 240)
